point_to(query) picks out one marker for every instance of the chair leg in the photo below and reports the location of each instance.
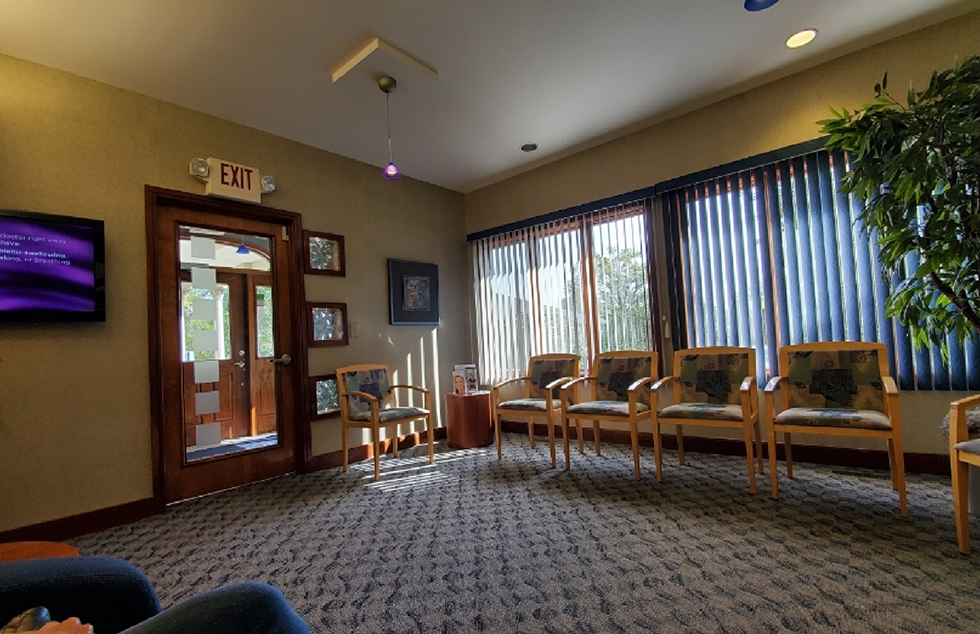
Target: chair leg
(551, 442)
(578, 431)
(394, 443)
(530, 431)
(565, 443)
(635, 440)
(891, 464)
(789, 454)
(961, 502)
(429, 433)
(595, 436)
(343, 441)
(679, 431)
(758, 448)
(496, 432)
(750, 457)
(376, 437)
(773, 476)
(658, 454)
(900, 474)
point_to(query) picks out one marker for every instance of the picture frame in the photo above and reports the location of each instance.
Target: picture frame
(324, 253)
(326, 324)
(413, 293)
(324, 397)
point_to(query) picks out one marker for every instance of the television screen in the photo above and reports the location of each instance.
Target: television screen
(52, 268)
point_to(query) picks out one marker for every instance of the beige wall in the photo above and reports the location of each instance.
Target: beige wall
(773, 116)
(74, 398)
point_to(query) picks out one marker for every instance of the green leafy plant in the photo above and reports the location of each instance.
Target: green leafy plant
(917, 167)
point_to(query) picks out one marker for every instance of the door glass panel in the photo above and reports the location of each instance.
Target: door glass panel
(226, 328)
(263, 322)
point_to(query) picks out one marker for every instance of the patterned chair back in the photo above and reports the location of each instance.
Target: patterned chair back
(712, 375)
(546, 368)
(616, 371)
(374, 381)
(845, 378)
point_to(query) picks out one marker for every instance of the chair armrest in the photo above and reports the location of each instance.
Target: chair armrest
(749, 390)
(664, 382)
(634, 389)
(574, 385)
(557, 383)
(509, 381)
(957, 419)
(411, 387)
(370, 398)
(769, 397)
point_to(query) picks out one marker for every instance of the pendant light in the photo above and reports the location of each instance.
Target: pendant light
(387, 85)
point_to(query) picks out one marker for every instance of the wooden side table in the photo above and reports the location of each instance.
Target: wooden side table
(468, 422)
(13, 551)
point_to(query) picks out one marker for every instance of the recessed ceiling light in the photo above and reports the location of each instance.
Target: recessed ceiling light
(529, 147)
(758, 5)
(803, 37)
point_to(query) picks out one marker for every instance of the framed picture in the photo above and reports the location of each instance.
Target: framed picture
(326, 324)
(324, 397)
(413, 293)
(324, 253)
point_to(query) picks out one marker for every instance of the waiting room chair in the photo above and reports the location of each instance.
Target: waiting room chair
(835, 388)
(963, 452)
(367, 401)
(617, 391)
(546, 373)
(712, 387)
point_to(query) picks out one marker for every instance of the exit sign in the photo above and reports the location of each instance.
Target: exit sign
(230, 180)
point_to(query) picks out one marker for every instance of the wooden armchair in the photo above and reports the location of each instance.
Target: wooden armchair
(546, 373)
(617, 391)
(712, 387)
(963, 452)
(367, 401)
(836, 388)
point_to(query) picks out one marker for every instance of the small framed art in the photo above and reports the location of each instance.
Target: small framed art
(413, 293)
(324, 397)
(326, 324)
(324, 253)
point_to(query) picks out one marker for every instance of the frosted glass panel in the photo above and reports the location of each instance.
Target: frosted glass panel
(207, 403)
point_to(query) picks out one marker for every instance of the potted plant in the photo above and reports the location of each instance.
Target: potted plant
(917, 166)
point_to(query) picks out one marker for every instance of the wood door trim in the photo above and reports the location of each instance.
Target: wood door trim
(154, 199)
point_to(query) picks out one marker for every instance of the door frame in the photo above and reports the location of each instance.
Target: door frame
(156, 197)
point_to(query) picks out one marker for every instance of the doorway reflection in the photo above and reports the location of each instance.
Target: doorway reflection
(226, 342)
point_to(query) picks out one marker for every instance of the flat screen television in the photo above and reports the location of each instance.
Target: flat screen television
(52, 268)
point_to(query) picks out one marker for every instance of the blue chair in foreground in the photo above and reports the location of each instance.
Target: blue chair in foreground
(367, 401)
(540, 397)
(712, 387)
(835, 388)
(963, 452)
(617, 391)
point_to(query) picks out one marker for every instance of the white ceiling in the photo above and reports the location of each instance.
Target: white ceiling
(565, 74)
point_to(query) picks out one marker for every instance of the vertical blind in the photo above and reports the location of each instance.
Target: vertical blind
(775, 255)
(578, 284)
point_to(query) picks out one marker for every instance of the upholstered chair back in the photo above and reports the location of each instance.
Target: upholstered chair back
(615, 374)
(374, 382)
(545, 370)
(712, 377)
(837, 379)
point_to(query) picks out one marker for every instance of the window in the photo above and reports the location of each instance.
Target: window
(774, 255)
(579, 284)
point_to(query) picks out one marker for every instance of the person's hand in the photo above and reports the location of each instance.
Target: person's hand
(70, 626)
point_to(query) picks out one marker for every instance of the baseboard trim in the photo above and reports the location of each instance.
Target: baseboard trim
(925, 463)
(84, 523)
(366, 452)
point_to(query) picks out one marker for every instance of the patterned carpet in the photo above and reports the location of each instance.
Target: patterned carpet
(472, 544)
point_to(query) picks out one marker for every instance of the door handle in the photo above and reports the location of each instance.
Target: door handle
(284, 359)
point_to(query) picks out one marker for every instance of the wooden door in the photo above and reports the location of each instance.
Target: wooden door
(259, 391)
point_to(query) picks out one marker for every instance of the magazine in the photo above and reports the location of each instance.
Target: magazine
(467, 372)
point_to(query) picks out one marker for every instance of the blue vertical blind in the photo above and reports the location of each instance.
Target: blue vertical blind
(578, 284)
(774, 255)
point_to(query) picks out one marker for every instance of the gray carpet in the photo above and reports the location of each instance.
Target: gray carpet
(472, 544)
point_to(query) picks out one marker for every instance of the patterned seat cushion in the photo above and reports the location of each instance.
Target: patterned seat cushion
(969, 446)
(527, 405)
(834, 417)
(606, 408)
(710, 411)
(392, 413)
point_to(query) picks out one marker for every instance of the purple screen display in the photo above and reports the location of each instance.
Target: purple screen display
(46, 266)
